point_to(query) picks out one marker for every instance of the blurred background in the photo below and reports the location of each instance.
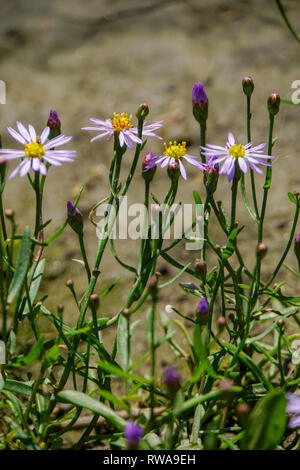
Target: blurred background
(89, 59)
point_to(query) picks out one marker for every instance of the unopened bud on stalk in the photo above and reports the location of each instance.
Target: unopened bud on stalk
(226, 385)
(3, 165)
(221, 322)
(148, 171)
(200, 268)
(60, 309)
(54, 124)
(200, 103)
(172, 379)
(153, 283)
(9, 213)
(202, 311)
(261, 250)
(211, 174)
(248, 86)
(242, 411)
(126, 311)
(70, 283)
(143, 111)
(94, 301)
(173, 171)
(273, 103)
(76, 218)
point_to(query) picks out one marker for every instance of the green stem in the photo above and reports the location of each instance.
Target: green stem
(83, 252)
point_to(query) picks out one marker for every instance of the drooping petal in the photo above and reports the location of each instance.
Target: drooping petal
(25, 168)
(182, 170)
(243, 165)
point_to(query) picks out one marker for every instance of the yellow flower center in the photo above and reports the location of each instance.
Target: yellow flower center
(35, 149)
(237, 151)
(175, 150)
(121, 122)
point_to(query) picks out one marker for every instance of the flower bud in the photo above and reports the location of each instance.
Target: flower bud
(261, 250)
(297, 248)
(76, 218)
(133, 434)
(242, 411)
(225, 385)
(202, 311)
(173, 171)
(273, 103)
(94, 301)
(248, 86)
(126, 311)
(54, 124)
(3, 165)
(143, 111)
(153, 284)
(200, 268)
(9, 213)
(211, 175)
(221, 322)
(171, 378)
(70, 283)
(200, 103)
(148, 168)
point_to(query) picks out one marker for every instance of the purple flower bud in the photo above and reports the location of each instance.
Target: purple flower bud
(199, 94)
(211, 174)
(172, 379)
(248, 86)
(200, 103)
(273, 103)
(202, 311)
(133, 434)
(54, 124)
(76, 220)
(148, 167)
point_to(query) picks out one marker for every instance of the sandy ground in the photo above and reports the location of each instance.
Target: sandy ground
(89, 59)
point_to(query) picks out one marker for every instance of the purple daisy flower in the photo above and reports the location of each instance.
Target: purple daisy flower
(232, 153)
(37, 150)
(293, 407)
(122, 126)
(175, 152)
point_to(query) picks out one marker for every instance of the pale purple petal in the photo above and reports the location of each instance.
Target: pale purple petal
(25, 168)
(121, 139)
(231, 138)
(45, 134)
(165, 162)
(128, 140)
(23, 131)
(243, 165)
(32, 133)
(16, 135)
(294, 422)
(182, 170)
(293, 403)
